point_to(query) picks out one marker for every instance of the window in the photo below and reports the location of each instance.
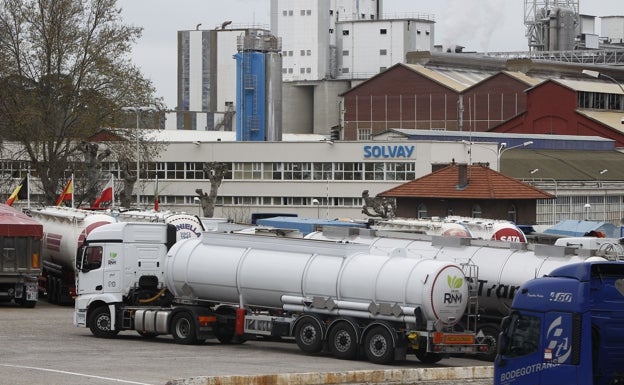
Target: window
(522, 336)
(290, 13)
(302, 52)
(383, 52)
(309, 52)
(308, 12)
(345, 52)
(308, 70)
(476, 211)
(284, 13)
(93, 258)
(302, 70)
(512, 214)
(345, 70)
(290, 70)
(303, 12)
(345, 32)
(422, 211)
(383, 31)
(364, 133)
(290, 53)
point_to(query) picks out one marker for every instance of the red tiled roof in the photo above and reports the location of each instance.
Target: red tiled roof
(483, 183)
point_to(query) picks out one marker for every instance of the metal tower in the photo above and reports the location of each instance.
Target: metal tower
(551, 24)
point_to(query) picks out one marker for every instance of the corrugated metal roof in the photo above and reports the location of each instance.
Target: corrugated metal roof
(591, 86)
(171, 136)
(608, 118)
(521, 76)
(453, 79)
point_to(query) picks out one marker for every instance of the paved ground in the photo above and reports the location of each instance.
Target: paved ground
(41, 346)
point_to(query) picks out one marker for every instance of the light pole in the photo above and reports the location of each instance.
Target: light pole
(596, 74)
(138, 111)
(199, 208)
(503, 147)
(318, 207)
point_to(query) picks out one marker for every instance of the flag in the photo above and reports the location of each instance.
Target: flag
(68, 192)
(107, 195)
(156, 201)
(20, 192)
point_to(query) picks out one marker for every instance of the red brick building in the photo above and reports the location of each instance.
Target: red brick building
(581, 108)
(468, 191)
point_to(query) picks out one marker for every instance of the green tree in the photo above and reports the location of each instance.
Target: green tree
(65, 72)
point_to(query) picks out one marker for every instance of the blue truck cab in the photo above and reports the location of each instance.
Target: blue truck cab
(565, 328)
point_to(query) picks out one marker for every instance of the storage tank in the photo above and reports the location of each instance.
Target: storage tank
(502, 266)
(268, 273)
(187, 225)
(64, 230)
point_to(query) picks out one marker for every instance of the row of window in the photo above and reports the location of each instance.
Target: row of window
(303, 12)
(382, 52)
(302, 70)
(303, 52)
(312, 171)
(601, 101)
(476, 212)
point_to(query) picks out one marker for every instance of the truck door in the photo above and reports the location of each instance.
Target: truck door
(112, 268)
(539, 348)
(90, 276)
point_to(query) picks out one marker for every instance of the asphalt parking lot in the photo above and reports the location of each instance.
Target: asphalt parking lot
(42, 346)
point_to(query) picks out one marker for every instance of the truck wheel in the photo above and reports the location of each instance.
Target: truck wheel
(427, 358)
(225, 331)
(26, 304)
(309, 335)
(491, 332)
(100, 323)
(378, 346)
(342, 341)
(183, 329)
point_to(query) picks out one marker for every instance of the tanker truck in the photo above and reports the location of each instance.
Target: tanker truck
(20, 248)
(64, 230)
(565, 328)
(326, 296)
(502, 266)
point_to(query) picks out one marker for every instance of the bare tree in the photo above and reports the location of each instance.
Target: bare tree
(215, 171)
(64, 73)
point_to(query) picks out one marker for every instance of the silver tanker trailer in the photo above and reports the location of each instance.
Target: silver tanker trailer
(232, 286)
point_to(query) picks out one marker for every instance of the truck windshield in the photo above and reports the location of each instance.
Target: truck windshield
(522, 335)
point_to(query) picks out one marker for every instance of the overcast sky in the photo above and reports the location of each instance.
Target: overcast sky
(478, 25)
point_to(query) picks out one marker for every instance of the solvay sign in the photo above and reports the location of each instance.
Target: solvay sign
(388, 151)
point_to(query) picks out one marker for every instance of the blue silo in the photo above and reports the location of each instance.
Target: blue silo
(258, 88)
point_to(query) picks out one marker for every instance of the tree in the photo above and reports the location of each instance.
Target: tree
(64, 74)
(215, 171)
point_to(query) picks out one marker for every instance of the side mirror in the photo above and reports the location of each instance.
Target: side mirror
(79, 258)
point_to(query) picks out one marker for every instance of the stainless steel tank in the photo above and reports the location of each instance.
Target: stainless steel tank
(261, 271)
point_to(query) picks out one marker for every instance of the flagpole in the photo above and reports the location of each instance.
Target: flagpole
(113, 188)
(73, 186)
(28, 188)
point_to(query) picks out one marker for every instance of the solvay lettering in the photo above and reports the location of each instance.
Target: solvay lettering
(388, 151)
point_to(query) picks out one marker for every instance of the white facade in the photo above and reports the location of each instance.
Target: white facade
(285, 177)
(366, 48)
(612, 28)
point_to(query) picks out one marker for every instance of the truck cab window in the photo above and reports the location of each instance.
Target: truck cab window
(522, 335)
(93, 258)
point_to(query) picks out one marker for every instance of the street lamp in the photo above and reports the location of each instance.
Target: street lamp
(503, 147)
(138, 111)
(198, 201)
(318, 207)
(596, 74)
(587, 208)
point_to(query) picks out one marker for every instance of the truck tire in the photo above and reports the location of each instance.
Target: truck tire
(309, 335)
(100, 323)
(379, 346)
(26, 304)
(225, 331)
(183, 329)
(491, 332)
(428, 358)
(342, 341)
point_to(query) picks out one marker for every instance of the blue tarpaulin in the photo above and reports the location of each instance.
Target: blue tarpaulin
(574, 228)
